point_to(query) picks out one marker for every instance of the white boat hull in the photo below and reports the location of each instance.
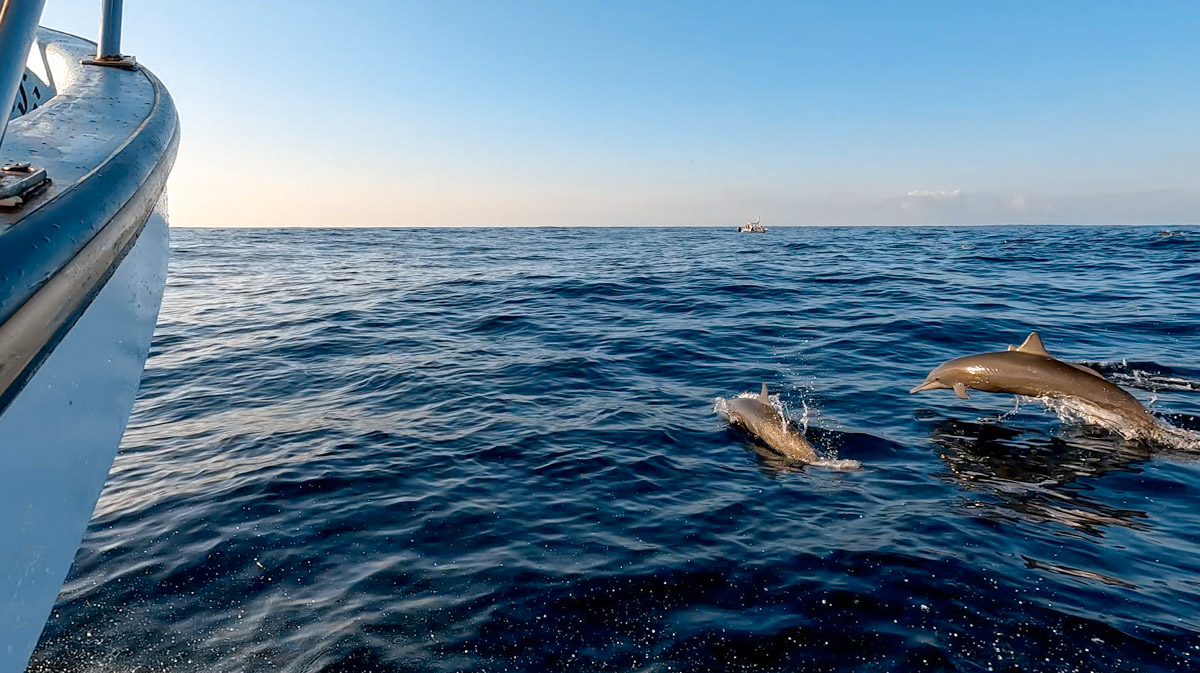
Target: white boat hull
(59, 436)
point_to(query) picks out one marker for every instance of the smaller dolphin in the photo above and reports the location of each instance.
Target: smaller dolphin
(760, 419)
(1030, 371)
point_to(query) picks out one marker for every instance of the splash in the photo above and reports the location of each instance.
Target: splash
(830, 462)
(1161, 432)
(721, 408)
(839, 464)
(1145, 375)
(1177, 438)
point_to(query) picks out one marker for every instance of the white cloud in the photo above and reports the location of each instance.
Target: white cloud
(925, 193)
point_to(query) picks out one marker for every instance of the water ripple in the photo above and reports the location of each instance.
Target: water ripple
(450, 450)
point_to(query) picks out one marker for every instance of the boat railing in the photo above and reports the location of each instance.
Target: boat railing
(18, 24)
(109, 44)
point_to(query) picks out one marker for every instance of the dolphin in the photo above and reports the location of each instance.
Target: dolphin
(1030, 371)
(760, 419)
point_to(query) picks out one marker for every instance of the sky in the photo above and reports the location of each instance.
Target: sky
(639, 112)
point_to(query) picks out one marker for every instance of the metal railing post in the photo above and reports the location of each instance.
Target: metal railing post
(18, 23)
(109, 46)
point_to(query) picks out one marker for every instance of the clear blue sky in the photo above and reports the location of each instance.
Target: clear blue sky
(629, 112)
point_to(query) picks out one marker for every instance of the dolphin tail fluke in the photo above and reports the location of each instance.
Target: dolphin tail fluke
(762, 397)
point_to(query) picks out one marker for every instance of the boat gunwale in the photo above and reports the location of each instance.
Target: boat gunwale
(85, 226)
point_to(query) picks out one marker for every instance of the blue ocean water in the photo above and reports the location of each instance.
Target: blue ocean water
(496, 450)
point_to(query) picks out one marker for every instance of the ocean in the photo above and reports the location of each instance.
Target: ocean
(496, 450)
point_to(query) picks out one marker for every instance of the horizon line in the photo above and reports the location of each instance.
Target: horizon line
(418, 227)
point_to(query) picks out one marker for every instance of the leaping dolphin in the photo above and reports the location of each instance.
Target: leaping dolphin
(1030, 371)
(758, 417)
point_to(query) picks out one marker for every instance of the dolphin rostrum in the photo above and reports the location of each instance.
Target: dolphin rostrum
(1030, 371)
(758, 417)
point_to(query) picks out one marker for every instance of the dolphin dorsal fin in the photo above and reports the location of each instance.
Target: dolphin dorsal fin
(1033, 345)
(762, 397)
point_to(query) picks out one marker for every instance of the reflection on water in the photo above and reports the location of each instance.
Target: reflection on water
(1077, 572)
(773, 465)
(1036, 476)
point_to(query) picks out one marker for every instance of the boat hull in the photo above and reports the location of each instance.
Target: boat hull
(60, 434)
(84, 259)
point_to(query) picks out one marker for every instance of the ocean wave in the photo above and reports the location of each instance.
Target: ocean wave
(449, 450)
(1147, 375)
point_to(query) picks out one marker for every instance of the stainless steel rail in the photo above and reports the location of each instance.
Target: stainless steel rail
(109, 46)
(18, 22)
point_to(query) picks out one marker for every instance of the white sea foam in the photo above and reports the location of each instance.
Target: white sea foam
(842, 464)
(721, 408)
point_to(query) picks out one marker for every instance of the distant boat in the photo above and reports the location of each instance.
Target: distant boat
(753, 227)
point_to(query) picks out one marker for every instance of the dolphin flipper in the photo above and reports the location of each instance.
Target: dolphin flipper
(961, 390)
